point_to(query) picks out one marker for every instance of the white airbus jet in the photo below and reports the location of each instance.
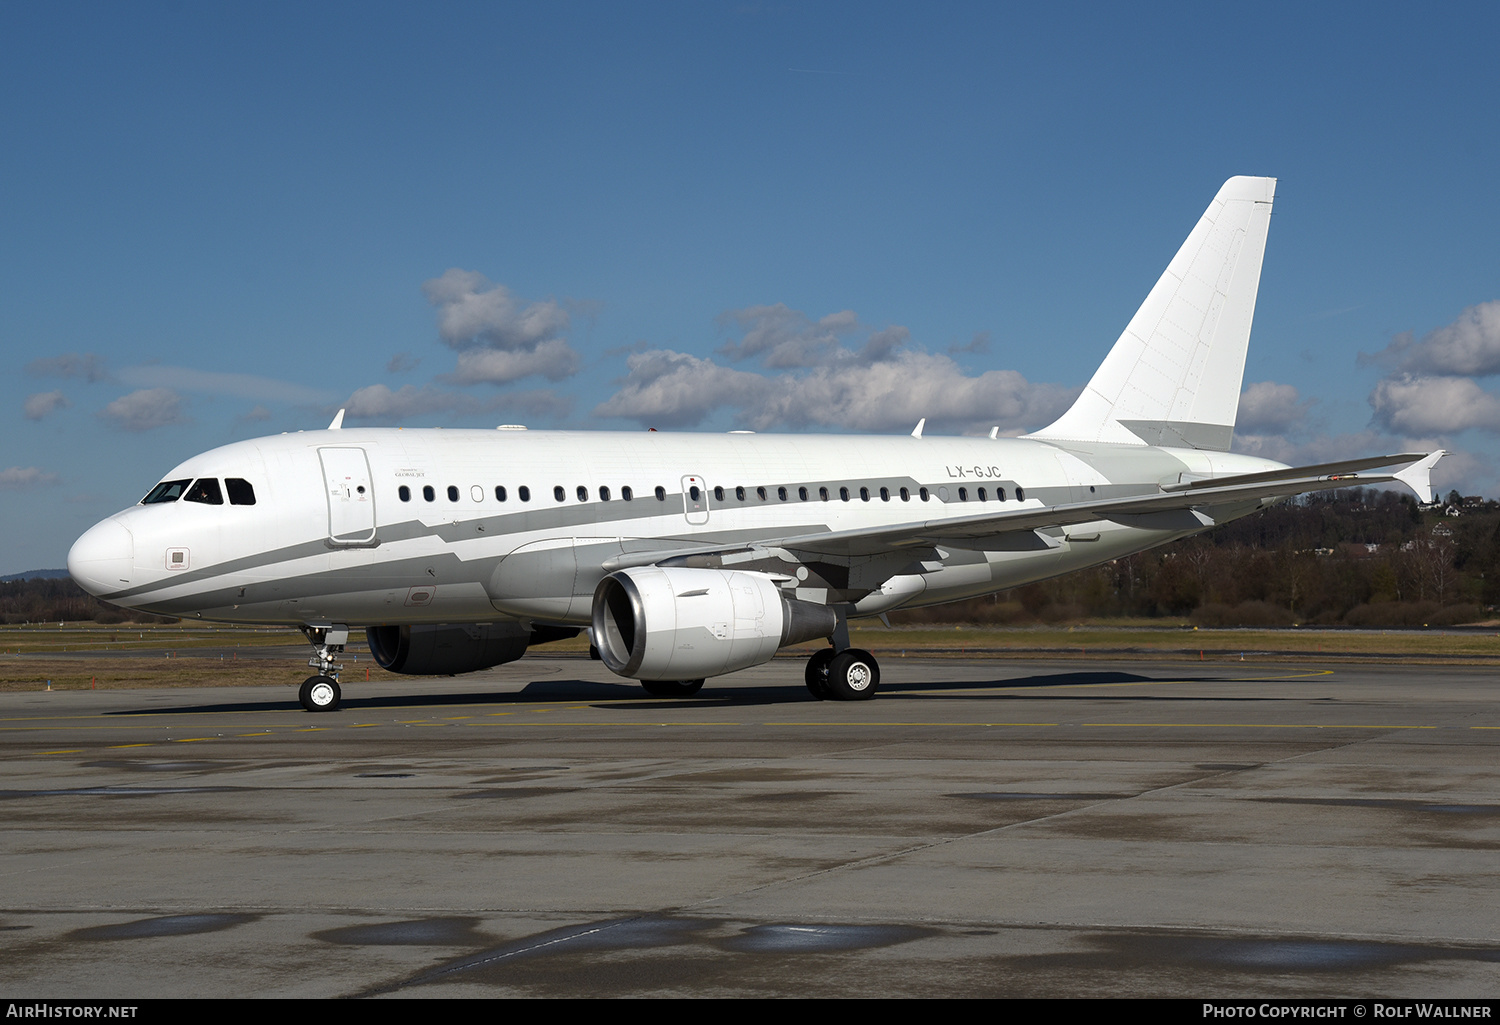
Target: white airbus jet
(692, 555)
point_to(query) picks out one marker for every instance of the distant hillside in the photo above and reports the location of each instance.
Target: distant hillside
(35, 574)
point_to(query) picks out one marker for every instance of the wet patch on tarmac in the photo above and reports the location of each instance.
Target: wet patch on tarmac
(456, 931)
(622, 954)
(168, 925)
(809, 939)
(1271, 955)
(384, 775)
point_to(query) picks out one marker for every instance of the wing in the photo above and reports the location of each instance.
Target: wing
(1188, 505)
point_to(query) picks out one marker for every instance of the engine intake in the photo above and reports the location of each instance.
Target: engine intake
(674, 623)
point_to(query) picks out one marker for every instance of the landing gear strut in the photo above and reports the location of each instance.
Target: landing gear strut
(321, 693)
(842, 673)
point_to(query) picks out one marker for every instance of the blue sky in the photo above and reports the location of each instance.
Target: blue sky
(222, 220)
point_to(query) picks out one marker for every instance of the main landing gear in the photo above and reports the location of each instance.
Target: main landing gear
(848, 675)
(321, 693)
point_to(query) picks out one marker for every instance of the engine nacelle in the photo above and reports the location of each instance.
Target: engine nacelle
(446, 650)
(671, 623)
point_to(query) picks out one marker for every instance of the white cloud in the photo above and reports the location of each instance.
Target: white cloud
(42, 403)
(146, 409)
(500, 338)
(1434, 405)
(782, 337)
(553, 359)
(71, 364)
(674, 389)
(212, 382)
(473, 311)
(1470, 346)
(1266, 406)
(18, 478)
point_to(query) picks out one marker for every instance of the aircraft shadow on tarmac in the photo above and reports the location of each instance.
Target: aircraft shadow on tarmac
(629, 695)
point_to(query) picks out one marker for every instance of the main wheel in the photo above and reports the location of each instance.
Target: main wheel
(853, 675)
(320, 694)
(816, 673)
(672, 688)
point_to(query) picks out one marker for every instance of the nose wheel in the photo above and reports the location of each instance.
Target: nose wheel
(320, 694)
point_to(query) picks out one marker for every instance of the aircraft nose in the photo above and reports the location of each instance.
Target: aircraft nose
(103, 559)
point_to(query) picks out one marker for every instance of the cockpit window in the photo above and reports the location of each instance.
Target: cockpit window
(241, 492)
(166, 491)
(205, 490)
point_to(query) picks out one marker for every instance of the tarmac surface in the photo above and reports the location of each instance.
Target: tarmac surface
(984, 828)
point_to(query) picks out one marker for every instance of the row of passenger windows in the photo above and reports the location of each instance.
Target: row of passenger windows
(204, 489)
(695, 494)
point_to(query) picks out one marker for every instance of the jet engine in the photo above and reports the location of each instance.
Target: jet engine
(672, 623)
(446, 650)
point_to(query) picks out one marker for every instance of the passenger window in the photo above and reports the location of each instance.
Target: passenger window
(802, 494)
(864, 494)
(240, 491)
(739, 494)
(558, 493)
(694, 493)
(981, 495)
(452, 493)
(166, 491)
(661, 493)
(604, 493)
(626, 493)
(823, 494)
(206, 490)
(885, 494)
(427, 493)
(780, 493)
(718, 494)
(523, 493)
(844, 494)
(499, 492)
(905, 495)
(999, 494)
(403, 491)
(923, 493)
(583, 493)
(963, 494)
(1020, 493)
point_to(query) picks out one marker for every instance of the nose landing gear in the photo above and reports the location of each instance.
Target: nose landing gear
(321, 693)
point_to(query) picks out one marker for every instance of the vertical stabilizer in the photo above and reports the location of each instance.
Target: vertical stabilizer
(1174, 376)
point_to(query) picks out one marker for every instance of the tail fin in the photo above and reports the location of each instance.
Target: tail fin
(1174, 376)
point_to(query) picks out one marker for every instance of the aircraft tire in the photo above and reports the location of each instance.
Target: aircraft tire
(853, 675)
(320, 694)
(672, 688)
(816, 674)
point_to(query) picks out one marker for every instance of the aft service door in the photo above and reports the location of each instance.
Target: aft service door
(351, 499)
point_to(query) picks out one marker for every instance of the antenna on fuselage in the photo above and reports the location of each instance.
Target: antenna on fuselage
(338, 422)
(916, 432)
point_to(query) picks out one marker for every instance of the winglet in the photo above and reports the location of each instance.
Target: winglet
(338, 422)
(917, 430)
(1417, 475)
